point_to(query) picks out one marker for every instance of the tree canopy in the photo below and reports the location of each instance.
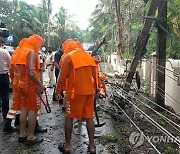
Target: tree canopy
(119, 21)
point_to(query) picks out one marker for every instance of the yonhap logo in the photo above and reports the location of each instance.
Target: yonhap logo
(136, 139)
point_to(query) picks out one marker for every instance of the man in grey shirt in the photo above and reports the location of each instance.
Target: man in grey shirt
(4, 79)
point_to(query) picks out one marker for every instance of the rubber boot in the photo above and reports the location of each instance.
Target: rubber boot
(17, 122)
(7, 126)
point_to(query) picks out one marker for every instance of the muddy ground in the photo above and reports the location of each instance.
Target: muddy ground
(54, 122)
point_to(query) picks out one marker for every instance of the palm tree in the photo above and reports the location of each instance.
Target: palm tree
(60, 19)
(47, 7)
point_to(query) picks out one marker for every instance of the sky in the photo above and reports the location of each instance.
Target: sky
(79, 9)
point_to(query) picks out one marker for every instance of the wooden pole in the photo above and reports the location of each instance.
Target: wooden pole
(161, 55)
(48, 28)
(141, 42)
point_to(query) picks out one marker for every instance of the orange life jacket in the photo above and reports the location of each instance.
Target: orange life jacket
(68, 46)
(80, 58)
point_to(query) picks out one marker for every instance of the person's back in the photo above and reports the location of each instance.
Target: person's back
(79, 73)
(80, 77)
(57, 58)
(29, 86)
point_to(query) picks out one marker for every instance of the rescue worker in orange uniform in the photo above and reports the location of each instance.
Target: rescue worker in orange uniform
(29, 86)
(102, 85)
(14, 110)
(69, 45)
(97, 59)
(78, 72)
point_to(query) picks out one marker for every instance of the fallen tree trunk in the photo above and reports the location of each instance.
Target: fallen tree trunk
(96, 47)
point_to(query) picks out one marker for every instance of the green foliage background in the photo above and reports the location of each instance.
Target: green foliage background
(24, 20)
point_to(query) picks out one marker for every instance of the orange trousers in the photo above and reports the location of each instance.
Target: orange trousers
(16, 100)
(16, 104)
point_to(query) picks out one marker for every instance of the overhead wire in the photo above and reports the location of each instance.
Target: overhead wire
(166, 74)
(168, 95)
(167, 119)
(168, 100)
(138, 128)
(153, 121)
(164, 68)
(162, 91)
(160, 106)
(149, 82)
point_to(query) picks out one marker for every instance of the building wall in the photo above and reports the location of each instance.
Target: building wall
(172, 87)
(172, 79)
(148, 72)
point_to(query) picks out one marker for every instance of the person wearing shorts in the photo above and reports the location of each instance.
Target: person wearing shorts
(78, 72)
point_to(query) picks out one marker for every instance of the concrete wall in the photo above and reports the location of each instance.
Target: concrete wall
(153, 74)
(172, 86)
(148, 72)
(172, 80)
(119, 66)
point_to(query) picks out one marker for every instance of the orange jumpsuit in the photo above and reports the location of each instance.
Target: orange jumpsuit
(16, 101)
(80, 70)
(28, 64)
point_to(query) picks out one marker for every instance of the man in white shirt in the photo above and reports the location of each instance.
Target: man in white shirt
(4, 79)
(50, 68)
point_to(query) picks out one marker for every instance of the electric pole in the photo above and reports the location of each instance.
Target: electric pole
(161, 54)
